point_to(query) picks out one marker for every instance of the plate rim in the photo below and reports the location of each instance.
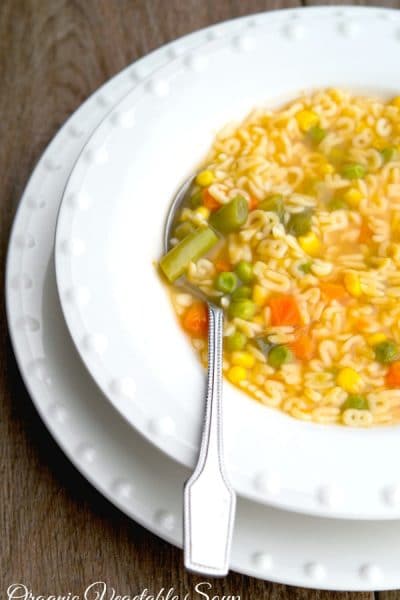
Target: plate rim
(312, 576)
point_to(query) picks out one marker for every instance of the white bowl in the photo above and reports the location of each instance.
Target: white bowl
(109, 235)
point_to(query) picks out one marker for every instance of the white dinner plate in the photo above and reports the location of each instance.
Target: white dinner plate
(109, 236)
(142, 482)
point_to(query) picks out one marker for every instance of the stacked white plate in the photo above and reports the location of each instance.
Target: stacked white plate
(95, 336)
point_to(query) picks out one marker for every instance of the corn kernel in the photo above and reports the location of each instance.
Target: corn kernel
(307, 119)
(361, 126)
(396, 101)
(352, 284)
(310, 243)
(237, 374)
(376, 338)
(205, 178)
(203, 212)
(353, 197)
(380, 143)
(243, 359)
(349, 380)
(260, 295)
(327, 169)
(186, 215)
(348, 112)
(259, 319)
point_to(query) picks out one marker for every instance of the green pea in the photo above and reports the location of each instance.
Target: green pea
(279, 355)
(242, 309)
(183, 229)
(196, 199)
(241, 292)
(274, 204)
(316, 134)
(236, 341)
(231, 216)
(356, 401)
(226, 282)
(389, 153)
(386, 352)
(244, 270)
(354, 171)
(300, 223)
(306, 267)
(337, 204)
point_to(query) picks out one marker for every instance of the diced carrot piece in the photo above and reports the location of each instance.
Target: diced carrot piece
(195, 320)
(362, 323)
(393, 375)
(222, 265)
(210, 202)
(333, 291)
(303, 347)
(365, 233)
(253, 203)
(285, 311)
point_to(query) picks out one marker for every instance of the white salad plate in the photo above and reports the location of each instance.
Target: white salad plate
(109, 237)
(144, 483)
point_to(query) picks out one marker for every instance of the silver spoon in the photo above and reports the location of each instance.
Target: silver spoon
(209, 499)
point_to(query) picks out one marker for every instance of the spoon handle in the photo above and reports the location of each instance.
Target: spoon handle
(209, 500)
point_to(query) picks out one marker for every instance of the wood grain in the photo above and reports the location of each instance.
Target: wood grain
(58, 534)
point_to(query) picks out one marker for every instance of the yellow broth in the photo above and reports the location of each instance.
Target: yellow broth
(322, 340)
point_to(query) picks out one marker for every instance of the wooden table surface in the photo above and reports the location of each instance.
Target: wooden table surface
(57, 534)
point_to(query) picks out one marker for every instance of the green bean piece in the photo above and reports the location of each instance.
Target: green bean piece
(236, 341)
(316, 134)
(337, 204)
(231, 216)
(356, 401)
(183, 229)
(306, 267)
(274, 204)
(241, 292)
(386, 352)
(244, 270)
(191, 248)
(300, 223)
(389, 153)
(196, 199)
(354, 171)
(242, 309)
(279, 355)
(226, 282)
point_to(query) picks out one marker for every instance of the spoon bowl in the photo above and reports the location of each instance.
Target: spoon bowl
(176, 205)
